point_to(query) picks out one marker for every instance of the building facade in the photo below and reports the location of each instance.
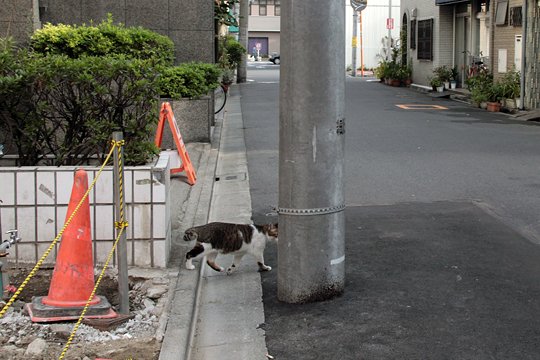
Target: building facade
(264, 27)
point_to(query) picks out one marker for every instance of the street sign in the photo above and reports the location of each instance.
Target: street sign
(358, 5)
(390, 23)
(258, 46)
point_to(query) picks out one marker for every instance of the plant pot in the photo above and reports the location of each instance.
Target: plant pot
(447, 85)
(407, 82)
(493, 106)
(395, 82)
(440, 88)
(453, 84)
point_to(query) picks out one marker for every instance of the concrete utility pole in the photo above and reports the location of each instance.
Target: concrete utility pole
(354, 41)
(389, 54)
(357, 6)
(311, 250)
(241, 73)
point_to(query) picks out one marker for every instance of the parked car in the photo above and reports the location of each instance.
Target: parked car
(275, 59)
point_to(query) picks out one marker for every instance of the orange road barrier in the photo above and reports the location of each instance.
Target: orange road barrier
(73, 276)
(166, 114)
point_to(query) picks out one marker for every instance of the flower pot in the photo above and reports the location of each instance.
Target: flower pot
(407, 82)
(453, 84)
(440, 88)
(447, 85)
(395, 82)
(493, 106)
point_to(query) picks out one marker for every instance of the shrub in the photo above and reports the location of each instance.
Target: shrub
(230, 52)
(480, 86)
(68, 108)
(190, 80)
(510, 85)
(106, 38)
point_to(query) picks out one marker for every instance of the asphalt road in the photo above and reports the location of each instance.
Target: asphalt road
(394, 155)
(442, 253)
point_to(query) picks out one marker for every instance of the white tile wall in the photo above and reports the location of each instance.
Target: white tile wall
(64, 184)
(38, 194)
(142, 253)
(7, 184)
(46, 224)
(160, 230)
(160, 254)
(8, 220)
(46, 192)
(26, 188)
(26, 219)
(104, 187)
(141, 226)
(142, 188)
(104, 222)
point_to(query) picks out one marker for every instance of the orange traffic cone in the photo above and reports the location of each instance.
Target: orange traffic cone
(73, 277)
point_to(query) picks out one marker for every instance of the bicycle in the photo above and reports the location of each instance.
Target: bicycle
(476, 65)
(220, 97)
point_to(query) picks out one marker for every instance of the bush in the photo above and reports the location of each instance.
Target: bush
(103, 39)
(62, 111)
(230, 52)
(190, 80)
(480, 87)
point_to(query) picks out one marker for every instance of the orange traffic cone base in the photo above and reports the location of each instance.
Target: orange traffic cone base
(40, 312)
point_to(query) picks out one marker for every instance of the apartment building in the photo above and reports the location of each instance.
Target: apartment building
(264, 26)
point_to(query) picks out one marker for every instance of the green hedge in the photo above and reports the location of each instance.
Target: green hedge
(61, 99)
(62, 111)
(190, 80)
(103, 39)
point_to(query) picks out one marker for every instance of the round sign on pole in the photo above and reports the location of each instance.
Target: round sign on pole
(358, 5)
(258, 46)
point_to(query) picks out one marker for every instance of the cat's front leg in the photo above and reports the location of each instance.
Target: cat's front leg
(235, 263)
(260, 262)
(194, 253)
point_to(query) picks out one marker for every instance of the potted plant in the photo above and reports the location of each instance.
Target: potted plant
(494, 96)
(406, 75)
(480, 87)
(227, 77)
(453, 77)
(437, 84)
(444, 74)
(510, 89)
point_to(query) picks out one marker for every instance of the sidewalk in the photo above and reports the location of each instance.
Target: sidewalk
(212, 315)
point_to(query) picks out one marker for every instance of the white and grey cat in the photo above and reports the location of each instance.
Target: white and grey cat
(224, 238)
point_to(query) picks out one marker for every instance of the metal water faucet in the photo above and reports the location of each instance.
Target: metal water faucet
(13, 238)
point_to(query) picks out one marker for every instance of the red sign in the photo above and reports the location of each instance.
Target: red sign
(258, 46)
(390, 23)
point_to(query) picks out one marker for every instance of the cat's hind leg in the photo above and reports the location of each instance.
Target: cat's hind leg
(236, 261)
(211, 261)
(198, 251)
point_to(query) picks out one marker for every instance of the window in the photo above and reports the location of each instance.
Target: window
(277, 8)
(413, 34)
(500, 14)
(515, 16)
(425, 40)
(262, 7)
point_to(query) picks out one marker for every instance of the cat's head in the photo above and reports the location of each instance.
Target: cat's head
(271, 231)
(190, 235)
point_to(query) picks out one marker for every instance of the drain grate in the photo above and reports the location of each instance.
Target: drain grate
(231, 177)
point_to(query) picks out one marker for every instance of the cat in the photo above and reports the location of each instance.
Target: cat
(224, 238)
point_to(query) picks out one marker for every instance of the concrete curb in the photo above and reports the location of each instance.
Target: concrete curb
(182, 310)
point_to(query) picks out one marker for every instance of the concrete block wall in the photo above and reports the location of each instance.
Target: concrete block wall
(189, 23)
(34, 200)
(18, 19)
